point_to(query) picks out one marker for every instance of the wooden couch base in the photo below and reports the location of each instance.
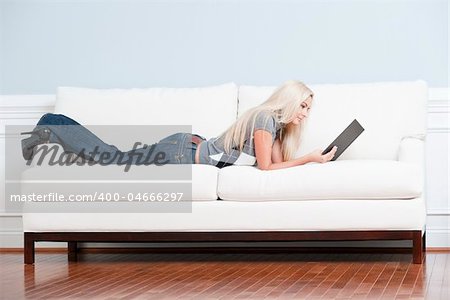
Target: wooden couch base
(72, 238)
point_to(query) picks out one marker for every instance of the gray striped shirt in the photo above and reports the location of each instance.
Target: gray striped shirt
(212, 151)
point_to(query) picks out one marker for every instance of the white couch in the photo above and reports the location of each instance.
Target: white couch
(374, 191)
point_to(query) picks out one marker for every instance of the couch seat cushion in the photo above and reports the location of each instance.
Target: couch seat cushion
(345, 179)
(200, 179)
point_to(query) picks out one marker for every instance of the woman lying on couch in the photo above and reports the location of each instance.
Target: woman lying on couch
(267, 136)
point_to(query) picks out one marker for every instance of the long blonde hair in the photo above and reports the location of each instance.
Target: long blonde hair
(283, 105)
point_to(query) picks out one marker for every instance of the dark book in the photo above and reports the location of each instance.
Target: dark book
(345, 139)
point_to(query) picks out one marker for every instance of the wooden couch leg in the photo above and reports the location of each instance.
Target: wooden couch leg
(72, 253)
(28, 251)
(417, 247)
(424, 242)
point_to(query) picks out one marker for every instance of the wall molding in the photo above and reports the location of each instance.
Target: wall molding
(10, 215)
(439, 102)
(438, 212)
(438, 110)
(20, 101)
(31, 107)
(439, 94)
(25, 106)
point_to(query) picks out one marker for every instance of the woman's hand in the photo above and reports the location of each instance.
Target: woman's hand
(316, 155)
(267, 161)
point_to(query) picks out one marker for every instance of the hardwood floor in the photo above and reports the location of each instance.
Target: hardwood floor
(225, 276)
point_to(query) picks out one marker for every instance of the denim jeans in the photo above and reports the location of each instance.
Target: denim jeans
(75, 138)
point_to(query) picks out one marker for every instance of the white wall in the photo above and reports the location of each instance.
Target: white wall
(176, 43)
(28, 109)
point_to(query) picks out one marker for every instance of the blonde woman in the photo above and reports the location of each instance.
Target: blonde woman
(266, 136)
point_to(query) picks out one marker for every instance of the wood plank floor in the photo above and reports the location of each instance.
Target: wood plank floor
(225, 276)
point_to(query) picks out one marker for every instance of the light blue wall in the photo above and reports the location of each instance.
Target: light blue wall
(136, 43)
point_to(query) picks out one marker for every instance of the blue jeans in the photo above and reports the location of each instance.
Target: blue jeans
(177, 148)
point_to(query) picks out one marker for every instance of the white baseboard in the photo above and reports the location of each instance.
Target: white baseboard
(438, 238)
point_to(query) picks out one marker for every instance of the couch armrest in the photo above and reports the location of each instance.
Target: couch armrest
(412, 149)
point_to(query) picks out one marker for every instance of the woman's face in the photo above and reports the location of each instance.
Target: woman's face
(303, 111)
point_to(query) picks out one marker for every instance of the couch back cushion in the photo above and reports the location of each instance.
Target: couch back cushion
(387, 111)
(209, 110)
